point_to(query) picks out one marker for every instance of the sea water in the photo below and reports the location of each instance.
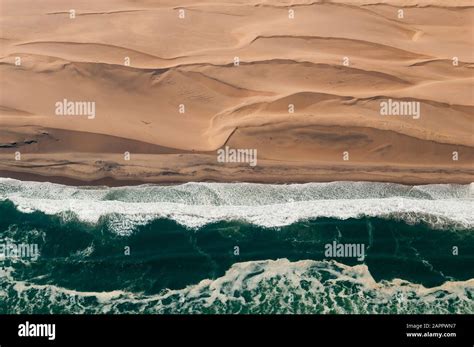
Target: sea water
(237, 248)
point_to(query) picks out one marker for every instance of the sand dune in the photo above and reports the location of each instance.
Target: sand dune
(307, 92)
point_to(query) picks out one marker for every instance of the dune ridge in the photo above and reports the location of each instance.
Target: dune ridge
(334, 131)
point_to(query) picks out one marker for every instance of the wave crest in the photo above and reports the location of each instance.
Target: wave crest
(197, 204)
(268, 286)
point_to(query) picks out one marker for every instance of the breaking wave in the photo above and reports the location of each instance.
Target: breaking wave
(195, 205)
(269, 286)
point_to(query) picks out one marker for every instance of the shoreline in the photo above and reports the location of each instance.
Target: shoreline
(112, 182)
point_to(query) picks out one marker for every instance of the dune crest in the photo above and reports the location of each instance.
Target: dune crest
(304, 83)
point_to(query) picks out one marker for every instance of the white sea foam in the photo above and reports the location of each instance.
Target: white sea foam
(197, 204)
(274, 286)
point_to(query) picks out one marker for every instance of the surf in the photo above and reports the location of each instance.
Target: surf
(183, 240)
(195, 205)
(270, 286)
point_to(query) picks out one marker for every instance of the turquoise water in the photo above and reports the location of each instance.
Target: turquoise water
(214, 248)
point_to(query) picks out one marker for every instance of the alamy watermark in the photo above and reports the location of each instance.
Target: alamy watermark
(345, 250)
(237, 155)
(400, 108)
(10, 250)
(28, 329)
(75, 108)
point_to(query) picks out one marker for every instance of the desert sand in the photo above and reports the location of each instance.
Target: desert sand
(301, 82)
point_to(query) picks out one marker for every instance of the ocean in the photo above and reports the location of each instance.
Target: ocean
(237, 248)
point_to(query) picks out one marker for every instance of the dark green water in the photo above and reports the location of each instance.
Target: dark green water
(158, 268)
